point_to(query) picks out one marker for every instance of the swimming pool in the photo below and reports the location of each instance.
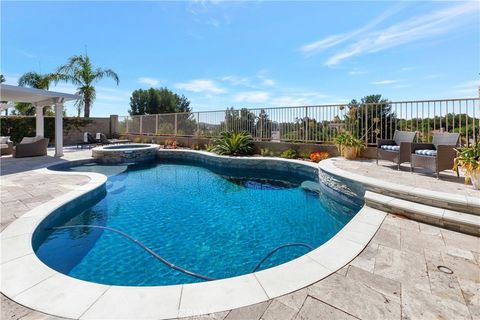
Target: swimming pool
(217, 221)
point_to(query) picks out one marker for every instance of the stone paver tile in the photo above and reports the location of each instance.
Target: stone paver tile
(366, 259)
(211, 316)
(388, 287)
(295, 299)
(402, 222)
(278, 311)
(445, 285)
(355, 298)
(406, 267)
(471, 293)
(388, 237)
(460, 240)
(417, 304)
(415, 241)
(477, 256)
(462, 268)
(460, 253)
(314, 309)
(253, 312)
(10, 310)
(342, 271)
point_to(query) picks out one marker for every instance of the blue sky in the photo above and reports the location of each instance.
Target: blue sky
(252, 54)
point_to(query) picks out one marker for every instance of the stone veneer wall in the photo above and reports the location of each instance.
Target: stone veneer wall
(125, 155)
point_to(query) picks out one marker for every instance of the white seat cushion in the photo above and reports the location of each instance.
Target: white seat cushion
(27, 140)
(4, 140)
(390, 147)
(426, 152)
(31, 139)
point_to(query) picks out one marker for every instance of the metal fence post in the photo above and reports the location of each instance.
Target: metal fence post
(306, 124)
(198, 123)
(156, 124)
(175, 134)
(365, 125)
(126, 125)
(141, 122)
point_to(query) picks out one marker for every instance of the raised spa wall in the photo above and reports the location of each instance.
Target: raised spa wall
(117, 156)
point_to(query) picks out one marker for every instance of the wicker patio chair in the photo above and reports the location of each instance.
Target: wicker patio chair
(38, 147)
(436, 156)
(398, 149)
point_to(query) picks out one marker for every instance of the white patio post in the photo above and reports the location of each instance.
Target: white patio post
(39, 120)
(58, 129)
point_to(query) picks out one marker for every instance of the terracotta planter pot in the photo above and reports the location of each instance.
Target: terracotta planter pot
(476, 181)
(350, 153)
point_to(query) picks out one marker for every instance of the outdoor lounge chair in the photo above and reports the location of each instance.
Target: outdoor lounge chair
(436, 156)
(6, 146)
(31, 147)
(88, 140)
(398, 149)
(104, 140)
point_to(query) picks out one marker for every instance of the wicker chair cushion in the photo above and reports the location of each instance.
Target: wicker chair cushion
(431, 153)
(390, 147)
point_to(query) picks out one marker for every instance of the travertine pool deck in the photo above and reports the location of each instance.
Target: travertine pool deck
(395, 276)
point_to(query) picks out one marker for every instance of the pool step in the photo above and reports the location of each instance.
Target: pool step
(446, 200)
(445, 218)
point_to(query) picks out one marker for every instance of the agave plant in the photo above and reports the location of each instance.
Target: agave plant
(233, 143)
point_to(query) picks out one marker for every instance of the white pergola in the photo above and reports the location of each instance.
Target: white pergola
(40, 99)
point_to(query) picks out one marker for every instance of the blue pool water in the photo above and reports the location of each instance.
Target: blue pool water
(218, 223)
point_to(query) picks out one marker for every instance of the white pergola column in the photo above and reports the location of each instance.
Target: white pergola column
(39, 120)
(58, 129)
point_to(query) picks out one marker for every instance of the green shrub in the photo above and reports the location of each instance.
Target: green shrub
(289, 154)
(264, 152)
(233, 143)
(209, 147)
(19, 127)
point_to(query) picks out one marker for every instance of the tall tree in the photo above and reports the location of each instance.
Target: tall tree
(80, 72)
(369, 117)
(38, 81)
(157, 101)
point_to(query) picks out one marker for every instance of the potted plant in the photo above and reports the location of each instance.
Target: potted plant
(469, 159)
(348, 145)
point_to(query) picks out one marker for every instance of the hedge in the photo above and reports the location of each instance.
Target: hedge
(19, 127)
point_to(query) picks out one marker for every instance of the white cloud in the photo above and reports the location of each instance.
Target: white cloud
(263, 76)
(413, 29)
(251, 96)
(316, 47)
(149, 81)
(468, 89)
(268, 82)
(356, 72)
(237, 81)
(382, 82)
(200, 85)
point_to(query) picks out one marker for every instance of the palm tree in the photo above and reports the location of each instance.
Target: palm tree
(37, 81)
(79, 71)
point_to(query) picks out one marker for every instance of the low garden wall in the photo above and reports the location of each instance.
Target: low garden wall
(276, 148)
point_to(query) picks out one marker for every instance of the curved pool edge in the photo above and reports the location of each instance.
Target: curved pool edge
(26, 280)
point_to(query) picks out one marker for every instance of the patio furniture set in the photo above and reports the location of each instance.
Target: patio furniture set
(436, 156)
(99, 140)
(37, 146)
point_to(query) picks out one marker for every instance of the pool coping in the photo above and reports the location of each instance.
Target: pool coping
(28, 281)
